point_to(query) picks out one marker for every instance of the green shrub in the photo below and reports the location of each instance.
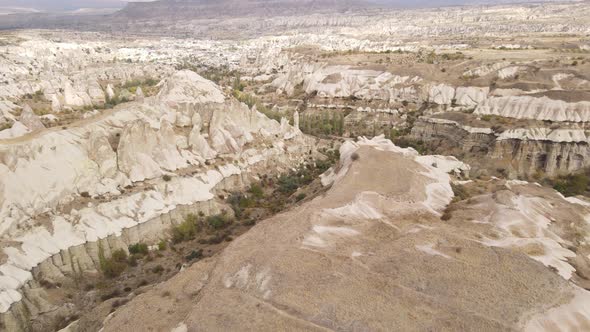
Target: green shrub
(572, 185)
(215, 239)
(162, 245)
(253, 101)
(394, 133)
(113, 266)
(327, 123)
(132, 261)
(239, 202)
(218, 221)
(288, 184)
(300, 197)
(256, 191)
(138, 249)
(186, 230)
(195, 254)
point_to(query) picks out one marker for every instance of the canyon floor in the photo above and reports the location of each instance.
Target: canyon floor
(333, 167)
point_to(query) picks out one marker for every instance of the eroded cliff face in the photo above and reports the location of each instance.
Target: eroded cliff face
(101, 181)
(537, 108)
(552, 158)
(513, 152)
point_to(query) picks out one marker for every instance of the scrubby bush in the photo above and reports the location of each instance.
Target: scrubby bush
(239, 203)
(158, 269)
(288, 184)
(256, 191)
(417, 145)
(113, 266)
(447, 215)
(253, 101)
(186, 230)
(572, 185)
(218, 221)
(138, 249)
(195, 254)
(249, 222)
(460, 192)
(162, 245)
(245, 201)
(327, 123)
(300, 197)
(395, 133)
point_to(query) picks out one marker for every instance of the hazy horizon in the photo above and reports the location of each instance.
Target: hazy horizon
(65, 5)
(61, 5)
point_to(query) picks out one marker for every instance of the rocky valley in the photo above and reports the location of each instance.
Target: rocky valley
(281, 165)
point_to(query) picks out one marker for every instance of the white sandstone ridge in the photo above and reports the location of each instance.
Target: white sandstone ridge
(501, 70)
(569, 81)
(48, 171)
(188, 87)
(346, 81)
(67, 74)
(443, 94)
(7, 108)
(472, 130)
(378, 110)
(511, 47)
(536, 108)
(80, 89)
(546, 134)
(560, 135)
(27, 122)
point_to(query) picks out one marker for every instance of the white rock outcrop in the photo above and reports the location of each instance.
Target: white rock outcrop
(102, 156)
(186, 87)
(145, 152)
(536, 108)
(30, 119)
(441, 94)
(471, 96)
(345, 81)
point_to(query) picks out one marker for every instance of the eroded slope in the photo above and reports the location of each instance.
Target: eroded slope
(370, 254)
